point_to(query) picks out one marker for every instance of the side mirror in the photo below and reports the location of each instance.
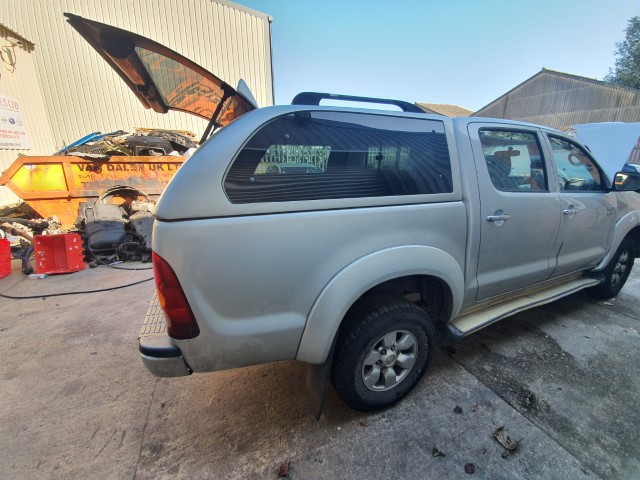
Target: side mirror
(626, 182)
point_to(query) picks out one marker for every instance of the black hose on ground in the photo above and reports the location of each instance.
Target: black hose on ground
(30, 297)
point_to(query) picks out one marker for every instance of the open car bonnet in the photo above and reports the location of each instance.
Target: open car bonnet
(163, 79)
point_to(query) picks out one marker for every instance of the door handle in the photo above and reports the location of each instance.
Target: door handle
(571, 211)
(498, 218)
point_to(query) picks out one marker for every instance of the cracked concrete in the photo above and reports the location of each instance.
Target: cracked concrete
(76, 402)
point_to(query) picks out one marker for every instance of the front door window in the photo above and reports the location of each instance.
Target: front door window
(576, 171)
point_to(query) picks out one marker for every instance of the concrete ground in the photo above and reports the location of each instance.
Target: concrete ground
(76, 402)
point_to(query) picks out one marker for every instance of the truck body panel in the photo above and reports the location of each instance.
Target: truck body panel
(280, 276)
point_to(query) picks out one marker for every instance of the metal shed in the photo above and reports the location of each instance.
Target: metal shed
(80, 93)
(559, 99)
(445, 109)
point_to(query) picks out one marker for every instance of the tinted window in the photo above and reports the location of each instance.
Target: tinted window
(183, 89)
(323, 155)
(576, 171)
(513, 160)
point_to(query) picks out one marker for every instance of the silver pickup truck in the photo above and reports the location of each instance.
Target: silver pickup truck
(412, 223)
(351, 239)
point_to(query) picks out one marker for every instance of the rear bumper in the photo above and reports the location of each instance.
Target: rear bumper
(159, 355)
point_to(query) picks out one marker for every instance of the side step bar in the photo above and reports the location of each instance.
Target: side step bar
(470, 323)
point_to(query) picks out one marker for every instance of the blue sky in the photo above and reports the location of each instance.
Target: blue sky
(464, 52)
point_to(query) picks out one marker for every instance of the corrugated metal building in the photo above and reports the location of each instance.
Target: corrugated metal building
(79, 93)
(558, 100)
(445, 109)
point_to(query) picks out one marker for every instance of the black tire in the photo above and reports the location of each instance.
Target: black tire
(616, 272)
(381, 326)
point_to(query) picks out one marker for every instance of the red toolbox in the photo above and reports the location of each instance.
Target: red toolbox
(58, 253)
(5, 257)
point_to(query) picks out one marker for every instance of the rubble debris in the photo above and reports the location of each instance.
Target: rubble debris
(283, 471)
(505, 440)
(19, 210)
(457, 409)
(474, 409)
(470, 468)
(437, 453)
(364, 423)
(527, 399)
(19, 227)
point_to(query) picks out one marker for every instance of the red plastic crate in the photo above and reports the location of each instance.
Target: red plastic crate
(5, 257)
(58, 253)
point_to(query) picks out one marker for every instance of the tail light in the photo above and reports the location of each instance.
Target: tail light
(181, 324)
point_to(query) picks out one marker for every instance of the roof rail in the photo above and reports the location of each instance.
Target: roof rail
(314, 98)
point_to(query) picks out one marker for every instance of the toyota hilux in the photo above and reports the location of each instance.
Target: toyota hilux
(398, 228)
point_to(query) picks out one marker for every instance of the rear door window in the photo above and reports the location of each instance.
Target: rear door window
(328, 155)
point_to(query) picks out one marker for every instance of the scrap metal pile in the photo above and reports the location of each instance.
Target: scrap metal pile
(144, 142)
(117, 225)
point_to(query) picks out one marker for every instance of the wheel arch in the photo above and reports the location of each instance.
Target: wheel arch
(634, 234)
(386, 271)
(627, 226)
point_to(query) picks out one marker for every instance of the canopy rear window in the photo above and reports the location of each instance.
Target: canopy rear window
(181, 88)
(161, 78)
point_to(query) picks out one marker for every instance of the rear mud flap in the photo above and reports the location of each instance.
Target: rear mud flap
(318, 382)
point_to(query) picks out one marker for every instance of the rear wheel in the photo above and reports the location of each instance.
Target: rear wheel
(383, 350)
(616, 272)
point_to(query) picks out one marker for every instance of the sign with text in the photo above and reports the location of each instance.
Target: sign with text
(13, 132)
